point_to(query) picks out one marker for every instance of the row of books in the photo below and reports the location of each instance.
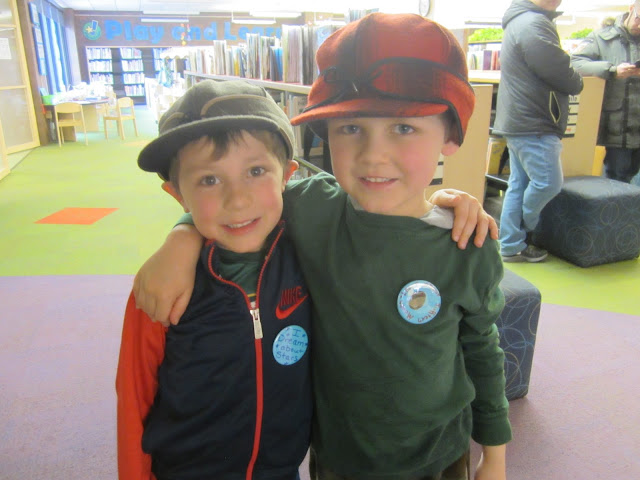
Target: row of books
(483, 59)
(291, 59)
(300, 44)
(100, 66)
(99, 53)
(479, 57)
(129, 52)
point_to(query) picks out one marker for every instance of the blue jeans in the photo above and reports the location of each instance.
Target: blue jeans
(622, 163)
(535, 178)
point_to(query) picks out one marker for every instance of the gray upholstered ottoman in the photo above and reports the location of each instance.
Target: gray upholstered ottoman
(518, 324)
(593, 220)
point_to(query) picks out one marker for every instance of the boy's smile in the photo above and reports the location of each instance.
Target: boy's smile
(236, 199)
(385, 164)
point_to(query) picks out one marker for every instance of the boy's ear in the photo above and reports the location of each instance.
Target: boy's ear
(449, 148)
(170, 189)
(291, 167)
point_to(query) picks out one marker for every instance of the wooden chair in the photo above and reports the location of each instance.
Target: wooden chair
(122, 111)
(69, 110)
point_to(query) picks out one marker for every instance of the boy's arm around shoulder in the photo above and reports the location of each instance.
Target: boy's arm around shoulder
(163, 285)
(469, 217)
(484, 359)
(141, 353)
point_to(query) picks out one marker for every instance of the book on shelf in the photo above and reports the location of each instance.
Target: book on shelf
(275, 59)
(290, 59)
(219, 57)
(483, 60)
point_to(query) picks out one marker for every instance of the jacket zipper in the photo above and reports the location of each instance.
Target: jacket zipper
(257, 334)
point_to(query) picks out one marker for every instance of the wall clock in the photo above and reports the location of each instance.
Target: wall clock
(424, 6)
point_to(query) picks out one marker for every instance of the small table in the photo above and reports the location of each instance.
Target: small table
(91, 117)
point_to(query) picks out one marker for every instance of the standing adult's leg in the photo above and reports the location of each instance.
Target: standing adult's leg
(512, 235)
(635, 166)
(541, 161)
(621, 163)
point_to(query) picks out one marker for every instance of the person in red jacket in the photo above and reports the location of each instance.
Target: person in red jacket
(225, 394)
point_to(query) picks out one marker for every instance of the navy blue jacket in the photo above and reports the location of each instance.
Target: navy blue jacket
(226, 408)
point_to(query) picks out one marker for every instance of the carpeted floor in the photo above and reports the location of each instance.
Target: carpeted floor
(63, 287)
(59, 352)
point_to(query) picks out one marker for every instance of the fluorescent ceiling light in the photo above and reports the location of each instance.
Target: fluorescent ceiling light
(252, 21)
(275, 13)
(164, 20)
(171, 12)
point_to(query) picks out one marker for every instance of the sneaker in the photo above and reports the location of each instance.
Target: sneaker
(531, 254)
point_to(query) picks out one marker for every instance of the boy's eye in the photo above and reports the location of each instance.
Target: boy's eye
(256, 171)
(209, 180)
(403, 129)
(349, 129)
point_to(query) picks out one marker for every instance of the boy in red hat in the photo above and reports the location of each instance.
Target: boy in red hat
(405, 357)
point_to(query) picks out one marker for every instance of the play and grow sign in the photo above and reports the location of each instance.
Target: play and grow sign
(124, 31)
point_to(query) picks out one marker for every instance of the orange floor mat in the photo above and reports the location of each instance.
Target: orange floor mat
(77, 216)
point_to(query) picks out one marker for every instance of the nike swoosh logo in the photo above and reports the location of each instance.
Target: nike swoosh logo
(282, 314)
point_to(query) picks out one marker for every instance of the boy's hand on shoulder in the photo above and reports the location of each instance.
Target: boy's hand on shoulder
(492, 465)
(164, 284)
(469, 216)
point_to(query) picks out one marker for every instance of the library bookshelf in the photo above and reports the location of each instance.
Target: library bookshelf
(124, 68)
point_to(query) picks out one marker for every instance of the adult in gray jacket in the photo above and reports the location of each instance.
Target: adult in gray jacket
(533, 100)
(611, 53)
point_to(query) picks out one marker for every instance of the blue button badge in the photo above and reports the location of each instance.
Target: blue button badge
(419, 302)
(290, 345)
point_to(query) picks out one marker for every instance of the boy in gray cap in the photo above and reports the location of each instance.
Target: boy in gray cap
(226, 393)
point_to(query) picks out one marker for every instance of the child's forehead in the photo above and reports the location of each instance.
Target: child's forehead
(385, 120)
(200, 145)
(243, 148)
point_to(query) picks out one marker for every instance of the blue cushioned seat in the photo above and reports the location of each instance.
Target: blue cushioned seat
(592, 221)
(518, 324)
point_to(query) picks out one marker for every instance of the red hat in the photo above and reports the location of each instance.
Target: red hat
(390, 65)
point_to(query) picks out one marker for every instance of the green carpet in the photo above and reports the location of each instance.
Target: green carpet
(105, 175)
(613, 287)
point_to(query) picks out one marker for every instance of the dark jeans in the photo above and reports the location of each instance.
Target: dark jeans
(621, 163)
(458, 470)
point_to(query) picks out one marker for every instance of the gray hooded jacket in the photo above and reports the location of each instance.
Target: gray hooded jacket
(595, 56)
(536, 76)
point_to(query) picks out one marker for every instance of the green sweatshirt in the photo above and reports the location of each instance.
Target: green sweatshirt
(395, 398)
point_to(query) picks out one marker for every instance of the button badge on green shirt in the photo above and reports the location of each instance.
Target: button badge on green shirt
(419, 302)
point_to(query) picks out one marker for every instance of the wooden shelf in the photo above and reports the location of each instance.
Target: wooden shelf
(484, 76)
(284, 87)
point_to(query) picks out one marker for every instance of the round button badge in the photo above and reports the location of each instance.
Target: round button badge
(419, 302)
(290, 345)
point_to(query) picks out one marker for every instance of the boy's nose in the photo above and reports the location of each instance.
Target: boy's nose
(237, 196)
(372, 150)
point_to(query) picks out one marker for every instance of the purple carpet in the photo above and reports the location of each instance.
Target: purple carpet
(59, 352)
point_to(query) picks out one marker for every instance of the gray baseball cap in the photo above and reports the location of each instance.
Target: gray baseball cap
(210, 107)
